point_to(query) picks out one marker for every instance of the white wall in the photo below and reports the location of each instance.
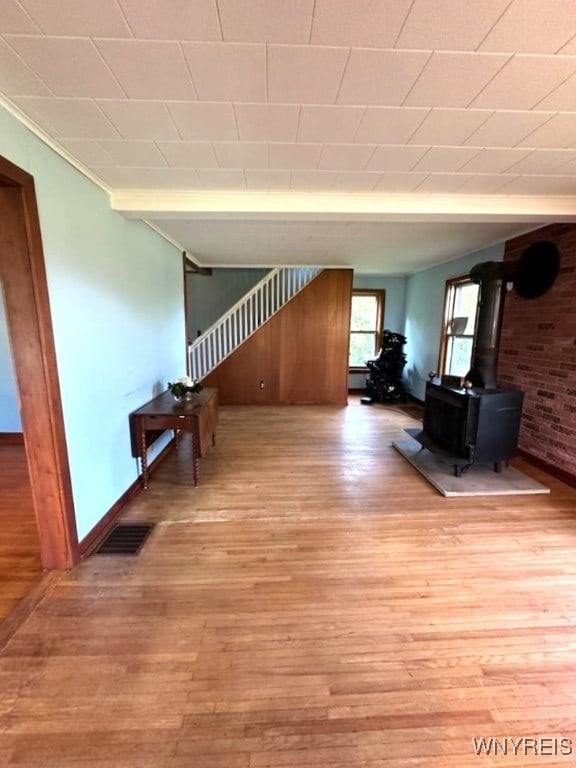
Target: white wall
(116, 296)
(9, 404)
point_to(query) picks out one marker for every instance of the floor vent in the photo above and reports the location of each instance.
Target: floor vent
(125, 539)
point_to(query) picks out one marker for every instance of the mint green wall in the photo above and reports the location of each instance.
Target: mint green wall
(9, 406)
(116, 298)
(424, 310)
(209, 297)
(395, 305)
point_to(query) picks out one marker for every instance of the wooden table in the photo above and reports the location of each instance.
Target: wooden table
(198, 416)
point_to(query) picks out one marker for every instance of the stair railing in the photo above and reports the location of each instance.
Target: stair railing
(248, 314)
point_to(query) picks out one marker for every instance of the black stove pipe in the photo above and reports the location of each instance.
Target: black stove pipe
(531, 276)
(492, 277)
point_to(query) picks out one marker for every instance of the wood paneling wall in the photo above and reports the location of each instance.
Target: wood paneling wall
(538, 355)
(301, 354)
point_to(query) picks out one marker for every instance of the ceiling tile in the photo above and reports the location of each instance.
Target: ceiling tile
(268, 180)
(51, 57)
(541, 185)
(227, 71)
(173, 19)
(266, 21)
(175, 178)
(241, 154)
(400, 183)
(389, 125)
(395, 158)
(449, 127)
(126, 178)
(345, 157)
(565, 170)
(304, 74)
(330, 125)
(445, 159)
(204, 121)
(14, 19)
(16, 78)
(529, 26)
(188, 154)
(451, 25)
(149, 70)
(443, 183)
(570, 48)
(363, 24)
(486, 183)
(133, 153)
(494, 160)
(296, 156)
(558, 133)
(562, 98)
(81, 19)
(524, 82)
(506, 129)
(267, 122)
(355, 181)
(454, 79)
(380, 78)
(219, 178)
(87, 151)
(543, 161)
(140, 119)
(69, 118)
(312, 180)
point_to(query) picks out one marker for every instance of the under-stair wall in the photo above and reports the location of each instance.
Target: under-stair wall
(300, 355)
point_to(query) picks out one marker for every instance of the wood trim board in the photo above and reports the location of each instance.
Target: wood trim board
(29, 323)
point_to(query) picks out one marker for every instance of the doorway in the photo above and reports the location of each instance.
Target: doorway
(29, 324)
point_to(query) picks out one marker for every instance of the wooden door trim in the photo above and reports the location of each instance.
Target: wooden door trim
(30, 329)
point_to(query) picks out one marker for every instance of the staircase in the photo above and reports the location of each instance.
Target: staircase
(246, 316)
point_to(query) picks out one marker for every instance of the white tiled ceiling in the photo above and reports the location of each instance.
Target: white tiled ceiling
(333, 98)
(202, 120)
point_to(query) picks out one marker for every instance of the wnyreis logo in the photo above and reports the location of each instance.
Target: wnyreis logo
(544, 746)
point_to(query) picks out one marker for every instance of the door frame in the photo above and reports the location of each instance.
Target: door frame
(23, 274)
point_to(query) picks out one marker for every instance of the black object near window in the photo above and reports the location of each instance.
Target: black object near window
(384, 380)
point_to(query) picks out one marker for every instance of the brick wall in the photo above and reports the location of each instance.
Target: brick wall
(538, 354)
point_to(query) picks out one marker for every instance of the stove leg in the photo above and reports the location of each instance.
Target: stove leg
(498, 466)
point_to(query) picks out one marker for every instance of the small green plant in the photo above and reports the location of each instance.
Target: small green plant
(181, 387)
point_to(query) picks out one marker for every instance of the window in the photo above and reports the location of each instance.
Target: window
(366, 326)
(460, 307)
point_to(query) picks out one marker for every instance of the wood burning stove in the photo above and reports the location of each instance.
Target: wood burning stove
(473, 425)
(481, 423)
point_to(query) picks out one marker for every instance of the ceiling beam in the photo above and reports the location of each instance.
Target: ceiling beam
(344, 207)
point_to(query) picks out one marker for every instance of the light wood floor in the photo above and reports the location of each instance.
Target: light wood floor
(20, 566)
(313, 603)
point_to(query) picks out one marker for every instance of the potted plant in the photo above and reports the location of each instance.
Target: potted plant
(184, 388)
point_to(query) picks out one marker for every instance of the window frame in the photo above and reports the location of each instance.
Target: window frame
(450, 289)
(380, 296)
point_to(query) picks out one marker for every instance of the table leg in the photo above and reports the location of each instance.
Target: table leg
(143, 459)
(196, 457)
